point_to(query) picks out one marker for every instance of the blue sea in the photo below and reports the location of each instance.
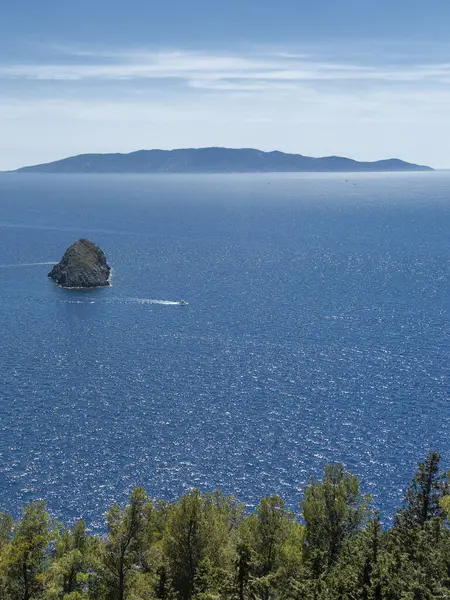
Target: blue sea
(317, 330)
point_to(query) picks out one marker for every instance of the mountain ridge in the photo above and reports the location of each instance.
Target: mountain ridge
(214, 160)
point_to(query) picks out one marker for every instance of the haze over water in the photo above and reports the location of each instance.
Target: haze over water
(317, 330)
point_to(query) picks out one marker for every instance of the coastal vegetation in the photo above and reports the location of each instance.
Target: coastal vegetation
(206, 546)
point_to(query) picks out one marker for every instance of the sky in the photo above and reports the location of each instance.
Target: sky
(365, 79)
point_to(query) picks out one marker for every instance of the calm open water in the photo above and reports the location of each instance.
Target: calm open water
(317, 330)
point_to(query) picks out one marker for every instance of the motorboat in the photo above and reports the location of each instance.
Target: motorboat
(183, 303)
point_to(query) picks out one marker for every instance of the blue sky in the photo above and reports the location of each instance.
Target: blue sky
(363, 79)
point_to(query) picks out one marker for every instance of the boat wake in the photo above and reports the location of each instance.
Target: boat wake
(151, 301)
(34, 264)
(78, 301)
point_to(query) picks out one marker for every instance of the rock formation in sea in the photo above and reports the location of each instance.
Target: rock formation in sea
(82, 266)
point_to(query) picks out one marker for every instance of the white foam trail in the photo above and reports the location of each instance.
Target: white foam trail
(35, 264)
(151, 301)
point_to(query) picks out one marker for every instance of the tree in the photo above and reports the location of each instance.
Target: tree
(200, 537)
(270, 529)
(243, 569)
(333, 510)
(356, 571)
(266, 531)
(285, 583)
(6, 527)
(69, 573)
(423, 496)
(123, 547)
(204, 548)
(445, 505)
(27, 553)
(373, 534)
(185, 544)
(416, 566)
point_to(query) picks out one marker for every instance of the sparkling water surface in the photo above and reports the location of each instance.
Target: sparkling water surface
(317, 330)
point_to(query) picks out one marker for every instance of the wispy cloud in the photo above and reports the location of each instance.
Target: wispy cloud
(70, 100)
(217, 71)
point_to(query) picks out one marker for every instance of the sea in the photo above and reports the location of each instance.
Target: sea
(316, 331)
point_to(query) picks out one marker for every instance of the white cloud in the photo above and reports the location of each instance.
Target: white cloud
(191, 66)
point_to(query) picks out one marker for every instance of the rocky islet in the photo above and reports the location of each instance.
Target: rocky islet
(83, 265)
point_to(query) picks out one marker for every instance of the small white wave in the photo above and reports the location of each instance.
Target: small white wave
(78, 301)
(151, 301)
(34, 264)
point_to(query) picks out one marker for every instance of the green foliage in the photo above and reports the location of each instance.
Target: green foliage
(445, 505)
(68, 575)
(122, 551)
(199, 537)
(264, 538)
(205, 547)
(186, 542)
(422, 499)
(6, 526)
(333, 510)
(268, 530)
(355, 573)
(24, 558)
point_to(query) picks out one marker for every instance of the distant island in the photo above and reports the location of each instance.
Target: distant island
(215, 160)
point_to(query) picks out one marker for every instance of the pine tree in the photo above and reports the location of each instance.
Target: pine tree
(6, 527)
(122, 551)
(243, 567)
(266, 531)
(27, 552)
(423, 496)
(371, 588)
(69, 571)
(445, 505)
(185, 542)
(333, 510)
